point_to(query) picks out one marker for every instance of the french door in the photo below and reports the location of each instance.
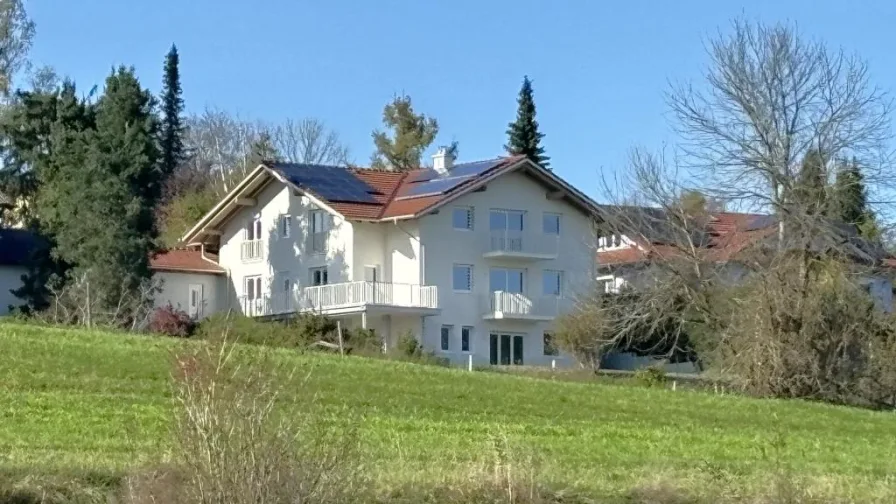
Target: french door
(506, 228)
(505, 349)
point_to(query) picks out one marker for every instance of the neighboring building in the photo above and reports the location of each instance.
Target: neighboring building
(16, 247)
(474, 259)
(627, 261)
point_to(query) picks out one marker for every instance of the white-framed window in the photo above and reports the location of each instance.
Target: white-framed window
(552, 282)
(617, 240)
(506, 220)
(466, 336)
(507, 280)
(462, 218)
(551, 224)
(252, 287)
(319, 224)
(253, 229)
(549, 345)
(318, 276)
(285, 226)
(462, 277)
(606, 284)
(446, 337)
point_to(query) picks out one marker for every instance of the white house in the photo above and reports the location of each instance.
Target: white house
(474, 259)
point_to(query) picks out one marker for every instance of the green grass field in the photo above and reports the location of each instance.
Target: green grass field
(95, 400)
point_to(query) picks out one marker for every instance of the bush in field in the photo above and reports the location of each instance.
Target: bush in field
(298, 332)
(240, 440)
(171, 321)
(408, 346)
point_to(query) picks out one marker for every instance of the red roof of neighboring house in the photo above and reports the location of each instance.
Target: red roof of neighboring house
(186, 260)
(729, 233)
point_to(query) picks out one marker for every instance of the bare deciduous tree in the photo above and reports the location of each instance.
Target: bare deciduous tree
(309, 141)
(772, 294)
(16, 36)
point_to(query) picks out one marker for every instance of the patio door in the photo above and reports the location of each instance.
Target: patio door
(195, 302)
(505, 349)
(506, 227)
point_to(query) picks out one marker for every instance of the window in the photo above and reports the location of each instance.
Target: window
(253, 229)
(606, 285)
(507, 280)
(319, 276)
(617, 240)
(552, 281)
(252, 287)
(446, 337)
(551, 224)
(285, 226)
(465, 333)
(506, 220)
(549, 348)
(462, 277)
(318, 236)
(462, 218)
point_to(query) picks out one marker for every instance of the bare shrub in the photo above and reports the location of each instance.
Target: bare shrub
(241, 440)
(171, 321)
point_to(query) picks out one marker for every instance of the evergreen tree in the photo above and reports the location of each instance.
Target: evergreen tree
(262, 150)
(106, 182)
(411, 134)
(523, 135)
(851, 200)
(172, 124)
(810, 193)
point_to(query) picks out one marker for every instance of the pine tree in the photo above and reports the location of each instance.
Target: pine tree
(810, 193)
(851, 200)
(172, 123)
(262, 150)
(523, 135)
(106, 184)
(411, 134)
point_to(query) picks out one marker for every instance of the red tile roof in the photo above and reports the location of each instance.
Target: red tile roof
(729, 234)
(391, 186)
(185, 260)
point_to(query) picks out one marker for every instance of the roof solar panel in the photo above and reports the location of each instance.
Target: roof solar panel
(430, 182)
(332, 183)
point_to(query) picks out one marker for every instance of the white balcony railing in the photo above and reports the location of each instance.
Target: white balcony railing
(317, 242)
(323, 298)
(251, 250)
(506, 242)
(514, 305)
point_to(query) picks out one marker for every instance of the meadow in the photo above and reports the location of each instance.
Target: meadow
(101, 401)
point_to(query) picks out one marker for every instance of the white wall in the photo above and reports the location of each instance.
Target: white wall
(175, 290)
(289, 256)
(10, 278)
(443, 246)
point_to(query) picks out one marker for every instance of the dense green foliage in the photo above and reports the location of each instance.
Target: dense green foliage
(172, 123)
(422, 424)
(523, 136)
(412, 133)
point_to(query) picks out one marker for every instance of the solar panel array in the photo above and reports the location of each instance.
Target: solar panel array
(329, 182)
(430, 182)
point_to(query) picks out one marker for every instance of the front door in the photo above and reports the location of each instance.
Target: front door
(505, 349)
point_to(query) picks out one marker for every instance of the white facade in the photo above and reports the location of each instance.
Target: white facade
(10, 278)
(197, 294)
(398, 276)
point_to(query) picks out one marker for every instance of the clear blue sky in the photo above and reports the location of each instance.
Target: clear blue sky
(599, 68)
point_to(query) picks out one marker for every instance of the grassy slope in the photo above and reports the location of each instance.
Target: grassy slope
(96, 400)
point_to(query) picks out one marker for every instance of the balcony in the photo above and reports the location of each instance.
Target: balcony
(346, 298)
(501, 305)
(251, 250)
(529, 245)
